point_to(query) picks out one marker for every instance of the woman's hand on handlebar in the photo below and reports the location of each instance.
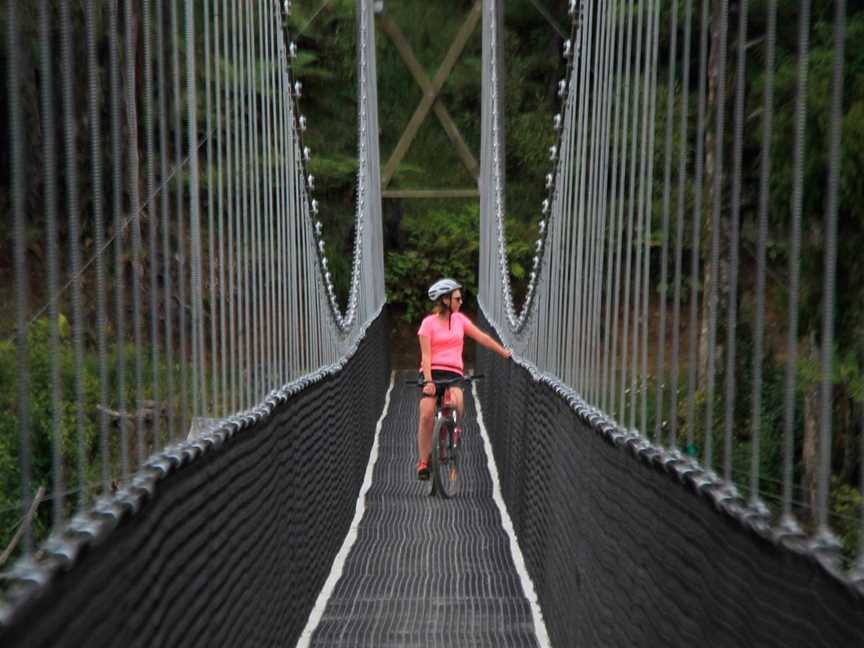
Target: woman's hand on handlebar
(429, 389)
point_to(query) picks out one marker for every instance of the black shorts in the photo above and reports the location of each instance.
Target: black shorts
(439, 374)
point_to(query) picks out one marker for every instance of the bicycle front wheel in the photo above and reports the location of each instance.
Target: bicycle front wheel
(447, 464)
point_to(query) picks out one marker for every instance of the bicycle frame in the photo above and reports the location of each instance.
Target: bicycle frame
(447, 447)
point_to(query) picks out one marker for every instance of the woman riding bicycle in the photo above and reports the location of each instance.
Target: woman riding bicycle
(441, 337)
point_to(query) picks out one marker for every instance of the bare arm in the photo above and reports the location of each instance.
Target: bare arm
(485, 340)
(426, 363)
(426, 357)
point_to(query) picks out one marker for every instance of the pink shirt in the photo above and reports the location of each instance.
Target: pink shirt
(446, 343)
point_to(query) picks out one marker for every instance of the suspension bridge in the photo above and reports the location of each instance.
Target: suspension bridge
(235, 467)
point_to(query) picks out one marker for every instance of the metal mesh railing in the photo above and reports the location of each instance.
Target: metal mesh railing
(625, 548)
(221, 542)
(160, 234)
(689, 283)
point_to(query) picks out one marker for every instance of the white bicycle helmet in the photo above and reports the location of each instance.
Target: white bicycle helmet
(442, 288)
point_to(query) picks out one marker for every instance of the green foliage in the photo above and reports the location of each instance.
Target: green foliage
(441, 243)
(41, 417)
(846, 374)
(428, 239)
(325, 65)
(846, 507)
(534, 66)
(520, 252)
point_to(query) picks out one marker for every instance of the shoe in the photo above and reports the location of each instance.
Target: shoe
(422, 471)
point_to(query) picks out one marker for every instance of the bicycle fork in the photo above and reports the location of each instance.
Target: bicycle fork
(443, 455)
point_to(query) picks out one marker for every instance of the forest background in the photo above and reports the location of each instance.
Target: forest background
(425, 239)
(429, 238)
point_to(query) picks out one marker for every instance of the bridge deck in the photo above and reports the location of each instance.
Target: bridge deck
(425, 571)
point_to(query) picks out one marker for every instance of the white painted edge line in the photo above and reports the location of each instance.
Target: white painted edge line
(351, 537)
(518, 559)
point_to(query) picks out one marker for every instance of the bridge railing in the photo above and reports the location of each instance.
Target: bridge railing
(163, 260)
(692, 285)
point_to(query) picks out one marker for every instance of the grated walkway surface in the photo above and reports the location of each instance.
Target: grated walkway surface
(426, 571)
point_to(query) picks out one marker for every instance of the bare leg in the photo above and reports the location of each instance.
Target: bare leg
(424, 430)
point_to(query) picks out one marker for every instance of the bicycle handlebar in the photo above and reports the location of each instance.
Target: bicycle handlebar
(446, 382)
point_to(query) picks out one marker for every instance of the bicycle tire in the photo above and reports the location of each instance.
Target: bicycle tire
(446, 466)
(432, 461)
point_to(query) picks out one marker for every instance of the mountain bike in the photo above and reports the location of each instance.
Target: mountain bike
(446, 441)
